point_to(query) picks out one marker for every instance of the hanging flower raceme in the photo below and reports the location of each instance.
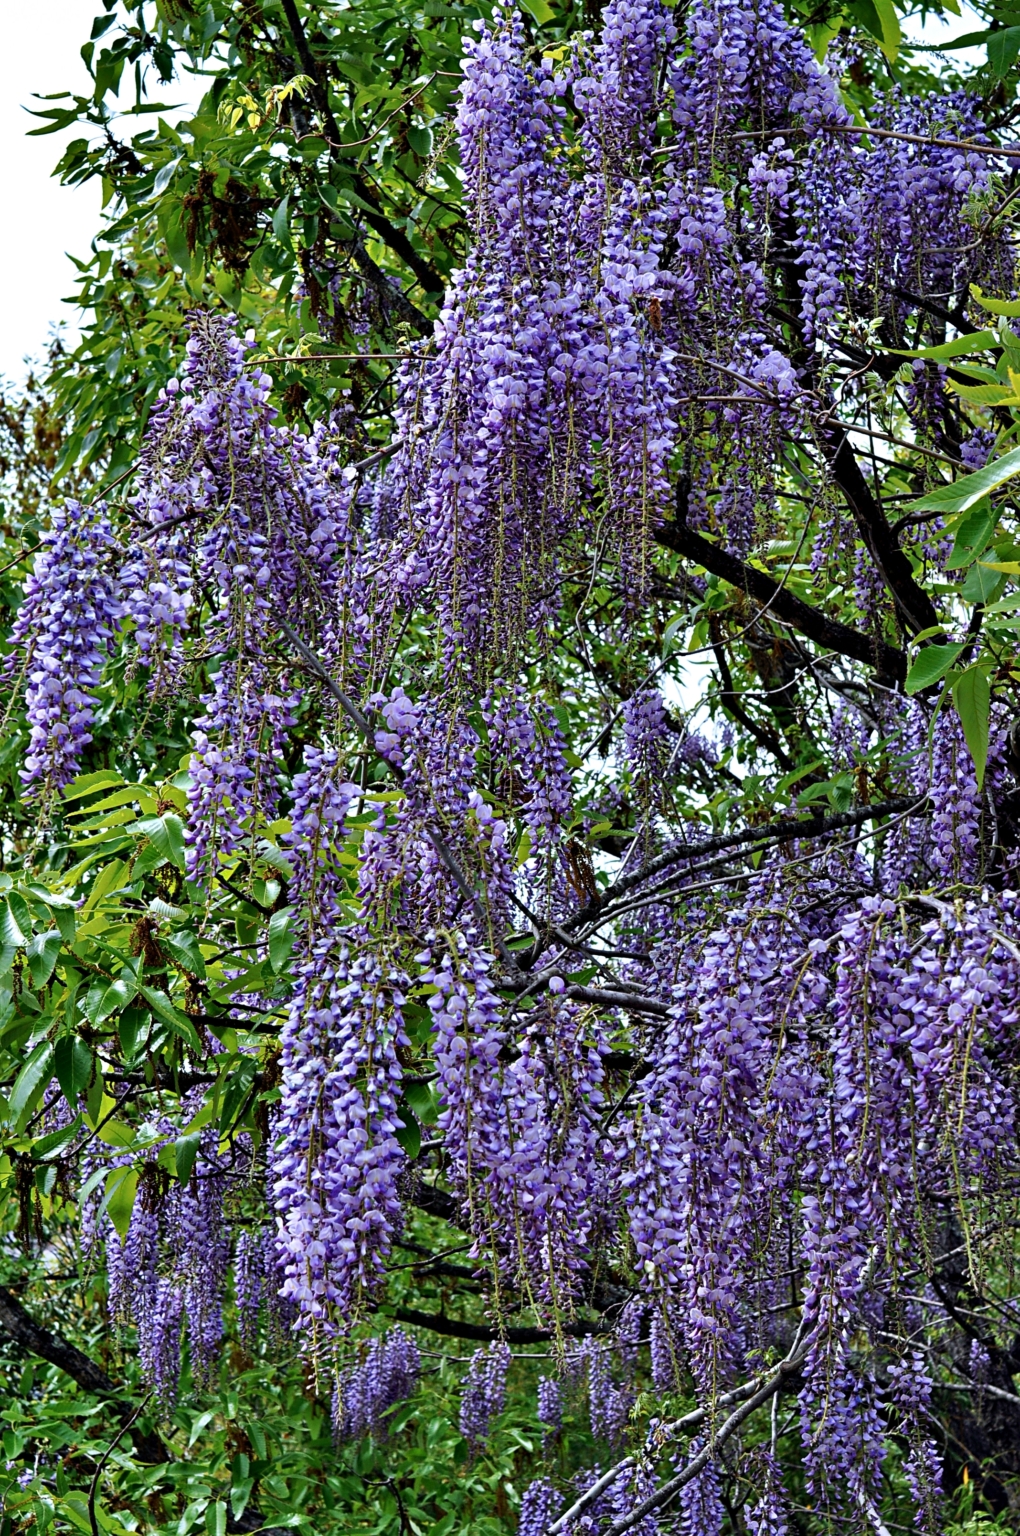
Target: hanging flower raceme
(483, 1393)
(336, 1158)
(167, 1275)
(60, 640)
(386, 1375)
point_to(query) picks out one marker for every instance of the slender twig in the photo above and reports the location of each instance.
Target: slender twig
(29, 549)
(409, 101)
(754, 1394)
(105, 1458)
(978, 1386)
(1011, 152)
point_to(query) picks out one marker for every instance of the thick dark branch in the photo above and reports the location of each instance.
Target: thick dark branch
(18, 1325)
(632, 1002)
(436, 1202)
(888, 660)
(913, 603)
(730, 700)
(482, 1333)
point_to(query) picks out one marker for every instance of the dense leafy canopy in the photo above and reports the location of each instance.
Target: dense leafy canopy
(508, 931)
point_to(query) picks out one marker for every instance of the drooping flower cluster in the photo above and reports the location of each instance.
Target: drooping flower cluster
(167, 1275)
(61, 638)
(388, 1374)
(483, 1393)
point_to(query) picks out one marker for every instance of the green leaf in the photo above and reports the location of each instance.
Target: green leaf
(119, 1201)
(94, 1097)
(969, 489)
(542, 12)
(240, 1493)
(422, 1099)
(865, 14)
(420, 140)
(165, 175)
(183, 946)
(179, 1022)
(239, 1086)
(166, 834)
(1008, 307)
(281, 222)
(110, 878)
(176, 241)
(86, 783)
(972, 535)
(972, 696)
(408, 1133)
(64, 917)
(931, 664)
(49, 1146)
(1003, 47)
(31, 1081)
(891, 35)
(960, 346)
(968, 40)
(42, 955)
(15, 920)
(281, 938)
(72, 1063)
(133, 1029)
(112, 999)
(984, 394)
(185, 1152)
(983, 584)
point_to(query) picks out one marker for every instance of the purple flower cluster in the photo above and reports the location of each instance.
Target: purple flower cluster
(760, 1092)
(60, 638)
(609, 1403)
(337, 1159)
(539, 1503)
(257, 1281)
(531, 1173)
(168, 1273)
(651, 750)
(550, 1404)
(483, 1393)
(387, 1374)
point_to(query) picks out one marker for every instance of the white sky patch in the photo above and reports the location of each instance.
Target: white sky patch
(44, 221)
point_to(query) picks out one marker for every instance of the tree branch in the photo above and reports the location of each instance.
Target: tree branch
(730, 700)
(395, 238)
(663, 1495)
(913, 603)
(889, 662)
(775, 831)
(23, 1329)
(453, 1328)
(439, 843)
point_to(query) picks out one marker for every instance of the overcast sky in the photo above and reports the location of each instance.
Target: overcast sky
(43, 220)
